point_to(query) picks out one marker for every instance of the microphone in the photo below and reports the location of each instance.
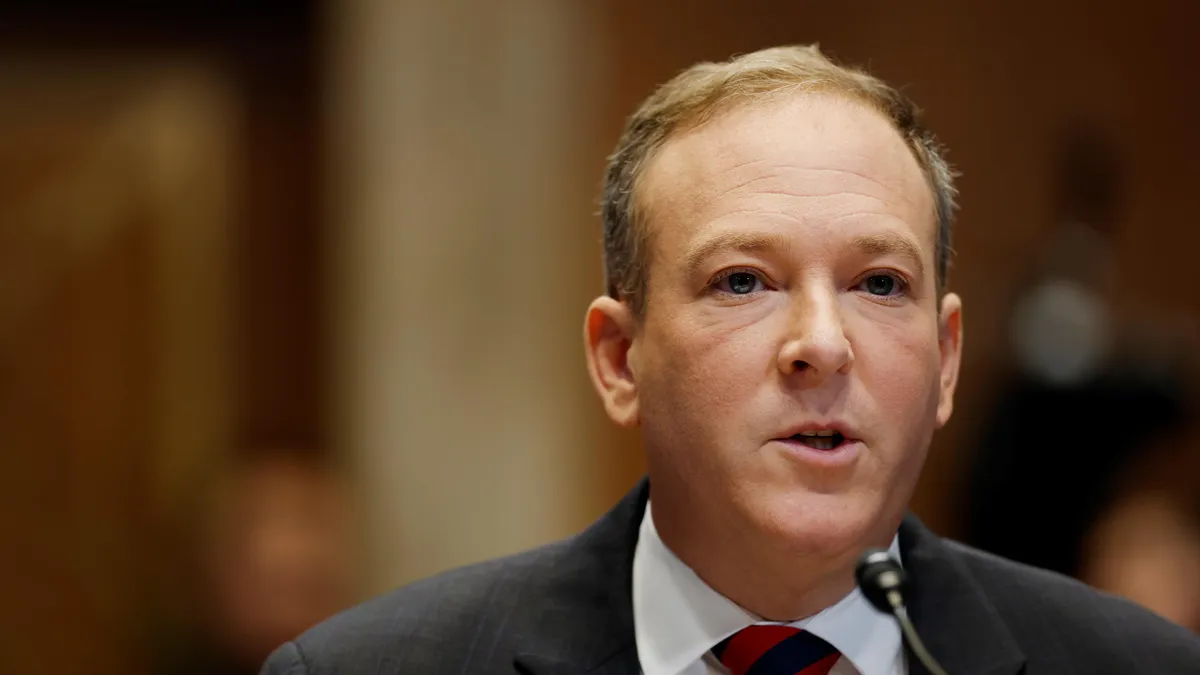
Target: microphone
(884, 583)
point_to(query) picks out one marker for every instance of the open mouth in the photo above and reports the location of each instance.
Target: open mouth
(820, 440)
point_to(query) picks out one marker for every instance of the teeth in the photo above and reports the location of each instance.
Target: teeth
(818, 433)
(820, 442)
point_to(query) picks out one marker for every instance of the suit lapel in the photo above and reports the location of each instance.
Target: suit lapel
(585, 622)
(950, 610)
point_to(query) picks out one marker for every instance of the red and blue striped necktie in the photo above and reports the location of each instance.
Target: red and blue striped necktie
(776, 650)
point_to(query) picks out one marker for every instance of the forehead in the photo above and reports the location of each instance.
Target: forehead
(819, 157)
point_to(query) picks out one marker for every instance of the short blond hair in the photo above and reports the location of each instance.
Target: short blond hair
(705, 89)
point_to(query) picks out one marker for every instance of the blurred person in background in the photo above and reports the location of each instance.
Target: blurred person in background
(1047, 467)
(270, 558)
(777, 325)
(1145, 543)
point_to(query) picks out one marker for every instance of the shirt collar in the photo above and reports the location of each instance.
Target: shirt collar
(677, 617)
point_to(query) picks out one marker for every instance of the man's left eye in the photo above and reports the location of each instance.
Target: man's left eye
(882, 285)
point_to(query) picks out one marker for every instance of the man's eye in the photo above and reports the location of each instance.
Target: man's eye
(739, 283)
(882, 284)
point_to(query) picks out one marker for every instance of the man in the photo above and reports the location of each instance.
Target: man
(776, 237)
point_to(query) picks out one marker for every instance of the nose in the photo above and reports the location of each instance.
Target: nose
(815, 345)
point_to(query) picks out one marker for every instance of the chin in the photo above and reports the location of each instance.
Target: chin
(819, 525)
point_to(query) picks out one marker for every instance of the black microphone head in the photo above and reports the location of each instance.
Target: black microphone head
(878, 575)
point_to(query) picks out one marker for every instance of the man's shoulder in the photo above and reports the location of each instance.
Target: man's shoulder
(1057, 618)
(466, 615)
(568, 595)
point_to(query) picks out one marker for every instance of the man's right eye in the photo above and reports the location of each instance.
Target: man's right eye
(738, 283)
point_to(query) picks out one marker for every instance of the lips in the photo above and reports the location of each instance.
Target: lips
(826, 437)
(822, 448)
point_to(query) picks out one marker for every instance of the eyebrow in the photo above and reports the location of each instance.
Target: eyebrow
(890, 243)
(742, 242)
(887, 243)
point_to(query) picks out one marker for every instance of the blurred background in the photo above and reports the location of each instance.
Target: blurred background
(291, 295)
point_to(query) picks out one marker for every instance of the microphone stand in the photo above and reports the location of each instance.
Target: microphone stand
(883, 582)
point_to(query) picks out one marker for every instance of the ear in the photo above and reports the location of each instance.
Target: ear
(950, 336)
(608, 339)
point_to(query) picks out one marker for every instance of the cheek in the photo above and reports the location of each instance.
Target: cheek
(900, 367)
(703, 371)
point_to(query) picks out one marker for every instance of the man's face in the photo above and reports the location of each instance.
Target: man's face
(791, 366)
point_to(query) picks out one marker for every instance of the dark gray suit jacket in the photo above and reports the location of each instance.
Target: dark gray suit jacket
(567, 608)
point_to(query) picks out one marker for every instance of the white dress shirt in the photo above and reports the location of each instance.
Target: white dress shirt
(678, 618)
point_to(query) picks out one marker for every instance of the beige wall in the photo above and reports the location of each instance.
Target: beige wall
(460, 207)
